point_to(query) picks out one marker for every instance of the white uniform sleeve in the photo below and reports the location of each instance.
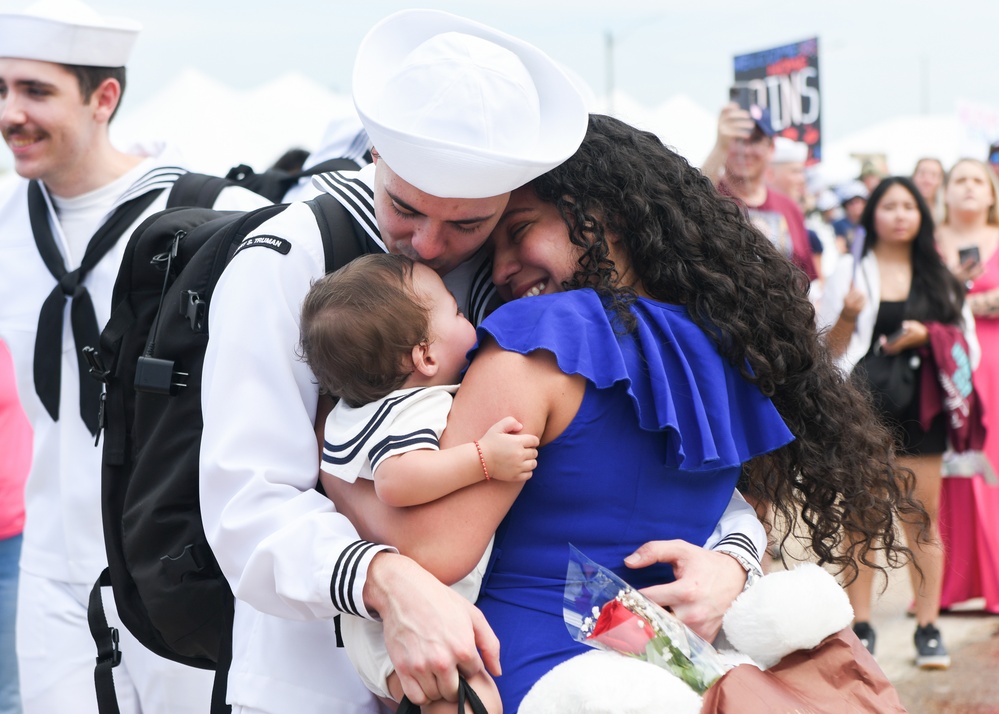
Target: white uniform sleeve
(280, 543)
(739, 531)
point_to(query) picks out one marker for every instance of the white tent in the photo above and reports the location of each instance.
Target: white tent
(680, 122)
(217, 127)
(903, 141)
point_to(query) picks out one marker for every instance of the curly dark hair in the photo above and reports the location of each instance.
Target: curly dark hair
(936, 295)
(690, 246)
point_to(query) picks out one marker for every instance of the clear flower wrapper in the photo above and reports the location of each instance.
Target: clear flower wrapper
(603, 611)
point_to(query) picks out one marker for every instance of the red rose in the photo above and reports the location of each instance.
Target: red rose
(619, 629)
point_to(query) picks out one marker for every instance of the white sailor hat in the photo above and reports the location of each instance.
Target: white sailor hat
(67, 32)
(460, 110)
(788, 151)
(851, 190)
(827, 200)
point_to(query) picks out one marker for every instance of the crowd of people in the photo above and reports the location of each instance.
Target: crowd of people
(903, 276)
(659, 364)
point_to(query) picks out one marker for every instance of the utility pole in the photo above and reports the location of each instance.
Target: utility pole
(924, 77)
(609, 64)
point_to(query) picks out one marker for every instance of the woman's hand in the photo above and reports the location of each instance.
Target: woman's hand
(913, 334)
(853, 302)
(706, 582)
(969, 270)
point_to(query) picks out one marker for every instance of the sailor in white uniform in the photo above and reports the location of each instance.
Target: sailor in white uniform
(459, 115)
(61, 78)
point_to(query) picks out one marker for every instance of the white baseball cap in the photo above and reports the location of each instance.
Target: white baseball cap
(460, 110)
(67, 32)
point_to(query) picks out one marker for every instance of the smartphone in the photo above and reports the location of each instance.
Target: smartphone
(893, 337)
(740, 95)
(969, 256)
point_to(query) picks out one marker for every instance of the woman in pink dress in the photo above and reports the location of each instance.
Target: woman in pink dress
(968, 240)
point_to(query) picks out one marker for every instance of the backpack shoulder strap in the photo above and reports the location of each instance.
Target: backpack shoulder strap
(343, 238)
(196, 190)
(108, 654)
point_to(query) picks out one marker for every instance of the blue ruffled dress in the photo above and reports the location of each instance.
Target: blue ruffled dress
(653, 453)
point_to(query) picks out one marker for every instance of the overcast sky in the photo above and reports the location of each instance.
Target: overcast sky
(878, 58)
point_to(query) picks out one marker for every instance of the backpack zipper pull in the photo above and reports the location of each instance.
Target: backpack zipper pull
(101, 419)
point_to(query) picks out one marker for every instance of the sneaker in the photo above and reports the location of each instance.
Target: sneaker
(865, 633)
(930, 650)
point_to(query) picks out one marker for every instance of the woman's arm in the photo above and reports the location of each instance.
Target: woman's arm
(984, 304)
(448, 536)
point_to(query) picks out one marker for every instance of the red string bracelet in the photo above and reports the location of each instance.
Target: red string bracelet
(482, 460)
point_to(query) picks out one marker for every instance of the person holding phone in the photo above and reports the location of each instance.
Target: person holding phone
(879, 307)
(968, 240)
(738, 166)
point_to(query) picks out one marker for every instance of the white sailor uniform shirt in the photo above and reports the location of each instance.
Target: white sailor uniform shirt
(357, 439)
(291, 560)
(63, 536)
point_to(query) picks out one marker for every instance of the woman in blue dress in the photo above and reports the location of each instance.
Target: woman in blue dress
(661, 347)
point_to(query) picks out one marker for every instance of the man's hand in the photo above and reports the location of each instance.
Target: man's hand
(509, 456)
(706, 583)
(733, 123)
(432, 634)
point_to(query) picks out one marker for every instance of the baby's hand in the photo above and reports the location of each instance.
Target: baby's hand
(509, 456)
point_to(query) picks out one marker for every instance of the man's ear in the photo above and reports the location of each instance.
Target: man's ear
(105, 99)
(424, 360)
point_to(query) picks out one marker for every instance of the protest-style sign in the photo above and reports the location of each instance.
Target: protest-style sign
(785, 80)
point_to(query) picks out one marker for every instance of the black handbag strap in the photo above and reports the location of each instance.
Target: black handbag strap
(466, 697)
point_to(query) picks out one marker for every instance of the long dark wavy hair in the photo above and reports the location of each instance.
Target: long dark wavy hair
(690, 246)
(935, 295)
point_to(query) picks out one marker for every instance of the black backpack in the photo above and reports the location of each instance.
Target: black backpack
(169, 590)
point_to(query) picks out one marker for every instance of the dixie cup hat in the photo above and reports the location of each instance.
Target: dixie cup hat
(460, 110)
(788, 151)
(67, 32)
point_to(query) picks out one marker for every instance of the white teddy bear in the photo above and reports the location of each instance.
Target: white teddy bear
(784, 612)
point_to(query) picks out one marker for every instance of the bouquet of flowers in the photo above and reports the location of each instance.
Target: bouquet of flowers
(603, 611)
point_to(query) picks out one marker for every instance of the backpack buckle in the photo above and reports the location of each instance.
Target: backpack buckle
(97, 369)
(194, 309)
(114, 655)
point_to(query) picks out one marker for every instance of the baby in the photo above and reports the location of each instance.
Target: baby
(385, 337)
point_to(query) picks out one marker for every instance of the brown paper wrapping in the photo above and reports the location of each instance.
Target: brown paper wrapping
(839, 676)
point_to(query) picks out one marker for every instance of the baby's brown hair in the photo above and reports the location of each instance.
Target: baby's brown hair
(359, 326)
